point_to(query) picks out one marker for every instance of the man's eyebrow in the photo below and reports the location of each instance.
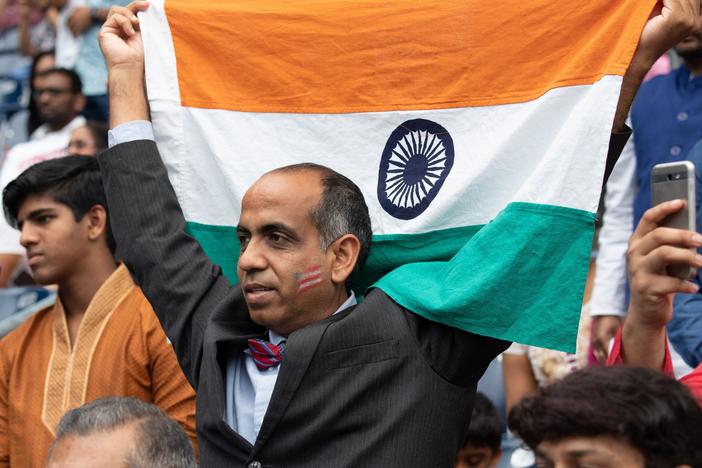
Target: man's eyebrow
(242, 230)
(278, 226)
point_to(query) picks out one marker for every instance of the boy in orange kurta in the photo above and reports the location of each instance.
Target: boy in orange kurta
(101, 337)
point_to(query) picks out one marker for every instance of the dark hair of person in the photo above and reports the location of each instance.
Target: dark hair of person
(484, 430)
(34, 120)
(160, 442)
(341, 210)
(74, 181)
(76, 85)
(653, 413)
(98, 130)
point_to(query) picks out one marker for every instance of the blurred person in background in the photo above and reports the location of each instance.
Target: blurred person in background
(114, 431)
(59, 101)
(666, 119)
(34, 39)
(100, 338)
(24, 31)
(88, 140)
(82, 20)
(612, 417)
(24, 122)
(482, 446)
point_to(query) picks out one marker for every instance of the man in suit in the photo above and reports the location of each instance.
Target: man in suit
(368, 384)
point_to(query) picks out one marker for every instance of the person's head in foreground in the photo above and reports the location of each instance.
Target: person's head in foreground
(119, 432)
(304, 229)
(88, 140)
(482, 446)
(612, 417)
(60, 208)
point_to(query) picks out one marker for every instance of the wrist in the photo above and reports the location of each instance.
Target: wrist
(640, 323)
(127, 95)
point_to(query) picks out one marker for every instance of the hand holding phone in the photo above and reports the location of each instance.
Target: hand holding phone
(673, 181)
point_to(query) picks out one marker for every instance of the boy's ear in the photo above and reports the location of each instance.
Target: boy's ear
(97, 222)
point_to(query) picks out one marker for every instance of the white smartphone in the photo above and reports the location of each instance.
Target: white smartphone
(672, 181)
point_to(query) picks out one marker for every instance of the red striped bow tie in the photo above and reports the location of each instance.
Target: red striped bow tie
(265, 354)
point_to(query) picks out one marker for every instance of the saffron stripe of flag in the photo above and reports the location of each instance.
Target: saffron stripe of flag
(476, 130)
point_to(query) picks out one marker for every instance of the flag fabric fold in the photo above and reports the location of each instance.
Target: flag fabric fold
(477, 132)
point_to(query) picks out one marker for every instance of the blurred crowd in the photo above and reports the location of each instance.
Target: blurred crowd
(537, 406)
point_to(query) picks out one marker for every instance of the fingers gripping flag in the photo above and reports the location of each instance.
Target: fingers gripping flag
(477, 131)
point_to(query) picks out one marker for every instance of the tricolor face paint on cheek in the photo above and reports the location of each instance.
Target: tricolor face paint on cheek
(308, 279)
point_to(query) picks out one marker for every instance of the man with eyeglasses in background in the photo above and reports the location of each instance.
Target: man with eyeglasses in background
(59, 97)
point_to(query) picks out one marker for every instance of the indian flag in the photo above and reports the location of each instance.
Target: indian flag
(477, 131)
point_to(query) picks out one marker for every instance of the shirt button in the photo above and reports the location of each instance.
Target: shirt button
(255, 464)
(682, 116)
(675, 150)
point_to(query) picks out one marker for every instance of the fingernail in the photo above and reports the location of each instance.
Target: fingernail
(675, 203)
(696, 238)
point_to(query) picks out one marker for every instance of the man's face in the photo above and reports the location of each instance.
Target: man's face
(472, 456)
(57, 104)
(600, 452)
(284, 274)
(82, 142)
(105, 449)
(56, 244)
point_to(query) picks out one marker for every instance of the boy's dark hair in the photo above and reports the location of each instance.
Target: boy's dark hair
(653, 413)
(74, 181)
(484, 430)
(73, 77)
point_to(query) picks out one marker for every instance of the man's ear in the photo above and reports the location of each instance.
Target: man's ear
(344, 254)
(96, 219)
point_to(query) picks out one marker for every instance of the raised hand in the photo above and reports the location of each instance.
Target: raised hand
(671, 22)
(120, 39)
(652, 249)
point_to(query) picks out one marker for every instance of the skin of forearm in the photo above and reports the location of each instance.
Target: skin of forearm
(630, 84)
(127, 93)
(643, 345)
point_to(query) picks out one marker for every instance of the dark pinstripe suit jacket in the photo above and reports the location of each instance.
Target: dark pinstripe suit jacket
(374, 385)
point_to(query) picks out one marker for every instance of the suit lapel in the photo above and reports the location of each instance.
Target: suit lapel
(300, 348)
(227, 344)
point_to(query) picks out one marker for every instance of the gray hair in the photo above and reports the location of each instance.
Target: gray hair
(341, 209)
(160, 441)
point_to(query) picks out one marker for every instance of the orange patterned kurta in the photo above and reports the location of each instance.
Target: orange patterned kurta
(120, 349)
